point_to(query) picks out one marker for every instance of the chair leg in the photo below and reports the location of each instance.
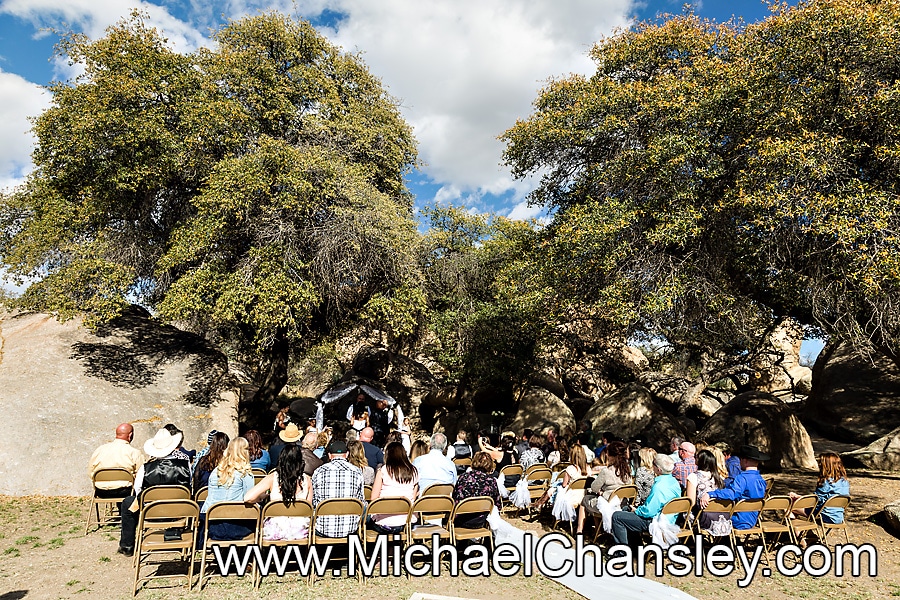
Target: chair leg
(91, 507)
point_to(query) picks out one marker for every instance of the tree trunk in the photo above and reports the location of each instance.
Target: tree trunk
(272, 377)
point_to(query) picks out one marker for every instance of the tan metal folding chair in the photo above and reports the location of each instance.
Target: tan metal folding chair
(438, 489)
(337, 507)
(258, 475)
(467, 506)
(367, 492)
(716, 505)
(775, 517)
(747, 506)
(538, 483)
(680, 506)
(158, 493)
(509, 471)
(462, 462)
(297, 509)
(624, 493)
(560, 466)
(388, 506)
(800, 524)
(228, 511)
(826, 528)
(201, 494)
(110, 504)
(574, 485)
(535, 467)
(150, 537)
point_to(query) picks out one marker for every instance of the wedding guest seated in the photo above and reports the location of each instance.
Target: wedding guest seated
(167, 466)
(533, 454)
(229, 482)
(477, 481)
(435, 467)
(287, 484)
(311, 462)
(609, 478)
(706, 478)
(642, 469)
(397, 478)
(749, 484)
(209, 461)
(259, 456)
(117, 454)
(337, 479)
(686, 465)
(357, 457)
(627, 526)
(832, 482)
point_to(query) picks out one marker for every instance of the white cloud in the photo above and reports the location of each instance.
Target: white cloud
(20, 99)
(523, 211)
(465, 70)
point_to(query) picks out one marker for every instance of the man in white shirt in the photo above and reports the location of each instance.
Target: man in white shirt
(435, 467)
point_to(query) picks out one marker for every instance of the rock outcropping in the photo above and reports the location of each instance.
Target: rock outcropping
(64, 389)
(882, 454)
(854, 397)
(631, 412)
(765, 421)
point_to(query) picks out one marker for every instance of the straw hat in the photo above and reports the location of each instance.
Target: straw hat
(290, 434)
(162, 444)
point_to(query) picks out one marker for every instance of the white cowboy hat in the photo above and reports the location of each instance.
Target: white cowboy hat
(162, 444)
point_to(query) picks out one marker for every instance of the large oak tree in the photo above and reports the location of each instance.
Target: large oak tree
(252, 191)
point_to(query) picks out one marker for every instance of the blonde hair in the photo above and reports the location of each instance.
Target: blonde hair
(356, 455)
(235, 460)
(647, 455)
(720, 460)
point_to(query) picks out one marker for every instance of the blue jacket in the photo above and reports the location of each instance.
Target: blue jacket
(665, 488)
(748, 485)
(830, 488)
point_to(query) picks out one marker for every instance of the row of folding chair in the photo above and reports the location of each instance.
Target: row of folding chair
(170, 507)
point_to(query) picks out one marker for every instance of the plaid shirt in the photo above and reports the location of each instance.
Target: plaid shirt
(337, 479)
(684, 468)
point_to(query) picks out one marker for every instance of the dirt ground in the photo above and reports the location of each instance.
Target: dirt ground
(44, 554)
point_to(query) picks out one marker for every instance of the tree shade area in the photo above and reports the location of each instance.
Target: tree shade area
(708, 182)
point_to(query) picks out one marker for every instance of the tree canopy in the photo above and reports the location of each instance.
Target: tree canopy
(711, 179)
(253, 191)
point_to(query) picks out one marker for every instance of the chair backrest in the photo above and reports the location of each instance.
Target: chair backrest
(340, 506)
(836, 502)
(462, 462)
(257, 471)
(805, 502)
(770, 481)
(719, 505)
(389, 506)
(172, 509)
(367, 492)
(511, 470)
(439, 489)
(201, 494)
(777, 503)
(560, 466)
(475, 504)
(578, 484)
(677, 506)
(298, 508)
(539, 474)
(231, 511)
(624, 492)
(164, 492)
(433, 504)
(113, 474)
(746, 506)
(534, 468)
